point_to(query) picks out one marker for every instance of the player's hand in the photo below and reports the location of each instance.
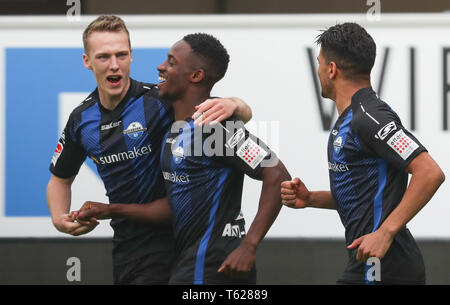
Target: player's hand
(239, 263)
(375, 244)
(92, 211)
(214, 111)
(67, 224)
(294, 194)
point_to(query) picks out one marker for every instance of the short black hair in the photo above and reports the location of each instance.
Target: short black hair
(350, 47)
(209, 48)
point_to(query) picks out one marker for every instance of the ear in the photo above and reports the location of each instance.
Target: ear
(86, 62)
(333, 69)
(131, 55)
(197, 75)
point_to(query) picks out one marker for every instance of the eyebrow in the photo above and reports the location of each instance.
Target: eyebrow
(109, 53)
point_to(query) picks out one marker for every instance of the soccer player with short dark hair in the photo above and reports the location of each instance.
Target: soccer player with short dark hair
(120, 126)
(370, 154)
(204, 177)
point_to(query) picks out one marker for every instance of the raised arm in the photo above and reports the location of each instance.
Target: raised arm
(218, 109)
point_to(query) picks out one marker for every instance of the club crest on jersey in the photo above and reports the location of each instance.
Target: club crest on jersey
(337, 144)
(178, 155)
(134, 130)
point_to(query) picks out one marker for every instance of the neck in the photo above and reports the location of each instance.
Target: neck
(346, 91)
(110, 102)
(184, 107)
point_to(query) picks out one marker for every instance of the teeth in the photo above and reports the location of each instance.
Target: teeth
(161, 79)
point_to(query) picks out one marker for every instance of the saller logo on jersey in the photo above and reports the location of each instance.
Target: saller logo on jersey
(402, 144)
(386, 130)
(234, 140)
(251, 153)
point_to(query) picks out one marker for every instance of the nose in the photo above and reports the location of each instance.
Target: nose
(114, 65)
(162, 67)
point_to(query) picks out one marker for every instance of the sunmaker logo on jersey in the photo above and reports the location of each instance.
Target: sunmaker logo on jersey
(134, 130)
(175, 177)
(338, 167)
(126, 155)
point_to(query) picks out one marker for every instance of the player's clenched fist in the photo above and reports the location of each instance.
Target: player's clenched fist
(294, 194)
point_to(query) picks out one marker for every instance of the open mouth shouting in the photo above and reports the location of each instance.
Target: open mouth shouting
(114, 80)
(162, 80)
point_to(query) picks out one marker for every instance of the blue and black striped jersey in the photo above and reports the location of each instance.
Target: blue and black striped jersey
(125, 145)
(204, 174)
(368, 153)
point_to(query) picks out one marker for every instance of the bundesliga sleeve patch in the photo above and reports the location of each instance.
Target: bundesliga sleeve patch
(59, 148)
(402, 144)
(251, 153)
(58, 151)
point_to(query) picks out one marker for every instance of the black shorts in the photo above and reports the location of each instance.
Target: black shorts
(345, 282)
(186, 271)
(152, 269)
(216, 279)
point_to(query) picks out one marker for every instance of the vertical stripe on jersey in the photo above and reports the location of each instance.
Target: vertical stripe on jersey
(378, 201)
(180, 192)
(346, 194)
(134, 113)
(201, 253)
(90, 136)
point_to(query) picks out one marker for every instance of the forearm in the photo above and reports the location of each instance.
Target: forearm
(269, 204)
(59, 197)
(156, 212)
(321, 200)
(243, 111)
(422, 186)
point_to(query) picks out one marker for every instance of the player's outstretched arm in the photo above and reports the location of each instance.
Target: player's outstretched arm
(216, 110)
(241, 260)
(426, 178)
(295, 194)
(58, 201)
(157, 211)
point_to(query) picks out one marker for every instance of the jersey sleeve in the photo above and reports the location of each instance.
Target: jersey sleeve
(242, 150)
(68, 156)
(381, 133)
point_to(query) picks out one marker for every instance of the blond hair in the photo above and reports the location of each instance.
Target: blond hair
(105, 23)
